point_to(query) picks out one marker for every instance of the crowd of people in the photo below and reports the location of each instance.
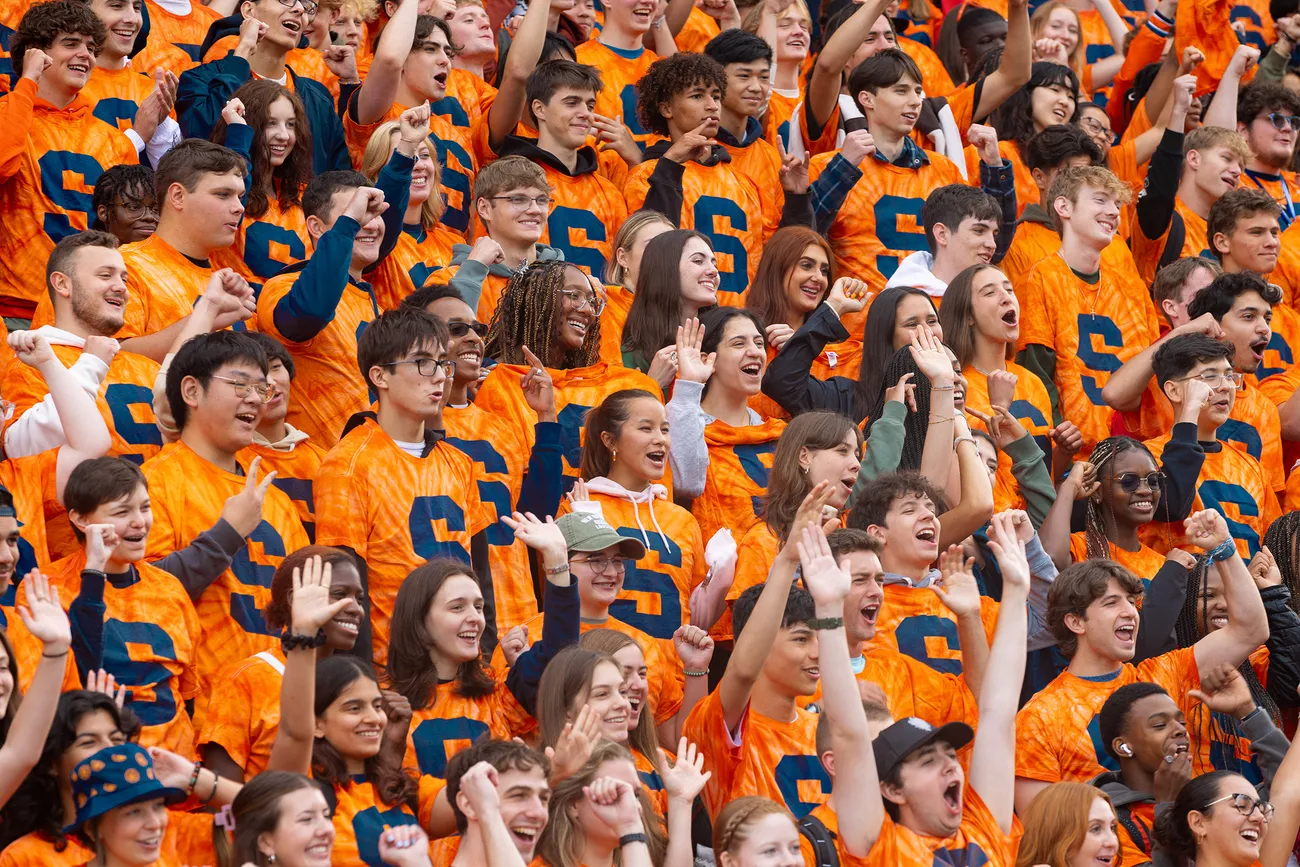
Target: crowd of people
(950, 347)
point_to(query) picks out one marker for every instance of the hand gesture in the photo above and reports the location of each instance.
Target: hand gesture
(538, 387)
(310, 606)
(513, 644)
(103, 348)
(957, 588)
(251, 32)
(1083, 477)
(848, 295)
(826, 580)
(1289, 26)
(1192, 58)
(1263, 568)
(1174, 772)
(614, 803)
(692, 364)
(663, 366)
(101, 681)
(1245, 57)
(1066, 437)
(101, 541)
(794, 171)
(617, 136)
(366, 204)
(1224, 690)
(43, 614)
(341, 60)
(1184, 88)
(1006, 428)
(157, 105)
(903, 391)
(694, 145)
(1203, 324)
(1050, 50)
(406, 845)
(486, 252)
(230, 297)
(479, 784)
(1024, 527)
(233, 112)
(1196, 394)
(31, 348)
(170, 769)
(810, 513)
(578, 493)
(929, 356)
(694, 647)
(1183, 558)
(1206, 529)
(777, 335)
(686, 778)
(573, 746)
(985, 140)
(35, 62)
(398, 710)
(1009, 549)
(1002, 388)
(543, 536)
(243, 511)
(415, 124)
(858, 145)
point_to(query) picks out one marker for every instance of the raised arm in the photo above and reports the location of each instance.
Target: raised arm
(976, 504)
(959, 592)
(936, 456)
(1223, 108)
(683, 781)
(824, 83)
(378, 92)
(1080, 484)
(1247, 627)
(479, 786)
(525, 52)
(1275, 848)
(1016, 66)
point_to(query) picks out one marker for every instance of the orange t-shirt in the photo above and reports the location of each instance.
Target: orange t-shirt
(1032, 407)
(361, 817)
(740, 460)
(453, 723)
(620, 70)
(914, 622)
(267, 245)
(979, 840)
(295, 474)
(244, 713)
(1144, 562)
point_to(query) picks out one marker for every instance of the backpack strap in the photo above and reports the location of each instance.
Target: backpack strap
(822, 839)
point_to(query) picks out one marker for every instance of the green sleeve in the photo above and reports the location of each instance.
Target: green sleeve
(1042, 361)
(1029, 466)
(1272, 66)
(884, 446)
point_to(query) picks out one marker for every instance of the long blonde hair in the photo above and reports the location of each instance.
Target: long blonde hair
(1038, 27)
(644, 738)
(625, 237)
(383, 141)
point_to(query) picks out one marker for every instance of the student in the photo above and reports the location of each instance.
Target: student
(690, 181)
(124, 203)
(1263, 120)
(1051, 96)
(238, 731)
(551, 310)
(1177, 283)
(1086, 207)
(390, 471)
(216, 387)
(282, 816)
(1071, 823)
(751, 722)
(963, 227)
(87, 282)
(630, 40)
(1093, 615)
(752, 830)
(139, 105)
(680, 278)
(115, 599)
(587, 207)
(44, 115)
(522, 778)
(511, 197)
(1230, 480)
(621, 275)
(318, 308)
(268, 32)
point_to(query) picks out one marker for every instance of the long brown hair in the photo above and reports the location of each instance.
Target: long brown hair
(957, 317)
(609, 417)
(788, 484)
(562, 841)
(410, 670)
(566, 677)
(526, 316)
(286, 181)
(1057, 822)
(644, 738)
(781, 253)
(656, 309)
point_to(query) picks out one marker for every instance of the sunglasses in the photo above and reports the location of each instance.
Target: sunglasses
(460, 329)
(1282, 121)
(1129, 482)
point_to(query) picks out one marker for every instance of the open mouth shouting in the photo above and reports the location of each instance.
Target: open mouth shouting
(1011, 317)
(657, 458)
(1257, 348)
(1126, 634)
(952, 797)
(928, 536)
(525, 837)
(247, 419)
(440, 79)
(870, 611)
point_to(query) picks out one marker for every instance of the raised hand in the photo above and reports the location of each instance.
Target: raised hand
(929, 356)
(1009, 549)
(1174, 772)
(414, 124)
(1206, 529)
(810, 512)
(157, 105)
(397, 708)
(694, 145)
(903, 391)
(100, 680)
(406, 845)
(230, 298)
(1050, 50)
(170, 769)
(692, 364)
(794, 171)
(578, 493)
(544, 536)
(848, 295)
(686, 778)
(101, 540)
(1182, 558)
(694, 647)
(233, 112)
(310, 606)
(957, 588)
(480, 784)
(43, 615)
(538, 387)
(514, 643)
(486, 252)
(777, 335)
(1083, 477)
(251, 32)
(1224, 690)
(1192, 58)
(985, 140)
(1002, 388)
(1245, 57)
(826, 580)
(243, 511)
(35, 62)
(663, 366)
(574, 745)
(1067, 437)
(341, 60)
(615, 804)
(366, 204)
(103, 348)
(617, 136)
(31, 348)
(1005, 427)
(1263, 568)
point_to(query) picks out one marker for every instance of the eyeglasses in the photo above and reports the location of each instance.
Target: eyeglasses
(1282, 121)
(1129, 482)
(429, 366)
(136, 210)
(1095, 127)
(264, 389)
(582, 300)
(520, 203)
(460, 329)
(308, 6)
(1216, 378)
(601, 565)
(1245, 805)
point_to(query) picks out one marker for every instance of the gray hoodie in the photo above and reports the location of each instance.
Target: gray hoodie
(470, 275)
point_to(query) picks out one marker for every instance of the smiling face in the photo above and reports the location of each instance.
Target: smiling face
(304, 834)
(281, 130)
(1095, 123)
(741, 358)
(1093, 216)
(276, 409)
(467, 349)
(1129, 508)
(131, 519)
(895, 108)
(73, 57)
(1101, 838)
(341, 632)
(94, 731)
(123, 18)
(910, 531)
(631, 17)
(630, 256)
(1222, 396)
(513, 224)
(599, 589)
(354, 722)
(772, 841)
(133, 835)
(838, 465)
(455, 619)
(566, 117)
(524, 799)
(806, 283)
(931, 790)
(1050, 105)
(132, 215)
(643, 442)
(866, 594)
(748, 87)
(1155, 728)
(699, 274)
(1228, 837)
(1271, 146)
(1248, 324)
(575, 311)
(793, 36)
(1214, 170)
(792, 666)
(1253, 245)
(606, 698)
(226, 420)
(636, 683)
(995, 311)
(1211, 606)
(879, 37)
(1109, 625)
(349, 26)
(973, 243)
(95, 289)
(914, 312)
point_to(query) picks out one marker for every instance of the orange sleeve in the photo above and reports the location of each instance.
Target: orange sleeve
(1145, 48)
(15, 126)
(1207, 25)
(1033, 732)
(231, 717)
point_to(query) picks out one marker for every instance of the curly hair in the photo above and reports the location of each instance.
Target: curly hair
(286, 181)
(669, 76)
(525, 316)
(41, 25)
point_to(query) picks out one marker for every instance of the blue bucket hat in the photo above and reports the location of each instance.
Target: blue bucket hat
(115, 777)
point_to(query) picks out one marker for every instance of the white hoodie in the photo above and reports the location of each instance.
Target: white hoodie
(602, 485)
(39, 429)
(915, 271)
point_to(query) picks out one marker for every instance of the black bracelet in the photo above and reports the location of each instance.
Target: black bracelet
(628, 839)
(292, 641)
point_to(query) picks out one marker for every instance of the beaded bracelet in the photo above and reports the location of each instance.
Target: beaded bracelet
(194, 779)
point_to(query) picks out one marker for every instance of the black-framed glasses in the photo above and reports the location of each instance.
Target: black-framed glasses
(242, 387)
(1129, 482)
(1282, 121)
(521, 202)
(1216, 378)
(582, 300)
(459, 329)
(1245, 805)
(1095, 127)
(308, 6)
(429, 366)
(601, 565)
(136, 210)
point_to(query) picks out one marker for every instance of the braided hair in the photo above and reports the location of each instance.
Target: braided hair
(525, 316)
(1099, 520)
(917, 423)
(1186, 634)
(732, 826)
(1283, 540)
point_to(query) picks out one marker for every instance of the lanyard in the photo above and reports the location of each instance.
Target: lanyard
(1288, 213)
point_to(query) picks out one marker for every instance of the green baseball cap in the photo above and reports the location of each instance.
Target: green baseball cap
(586, 532)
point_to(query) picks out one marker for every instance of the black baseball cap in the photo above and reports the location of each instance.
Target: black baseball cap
(894, 744)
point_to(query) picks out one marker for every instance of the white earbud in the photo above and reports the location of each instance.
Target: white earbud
(1125, 751)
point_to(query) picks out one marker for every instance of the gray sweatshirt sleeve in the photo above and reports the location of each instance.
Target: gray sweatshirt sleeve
(689, 454)
(200, 562)
(1042, 572)
(1268, 743)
